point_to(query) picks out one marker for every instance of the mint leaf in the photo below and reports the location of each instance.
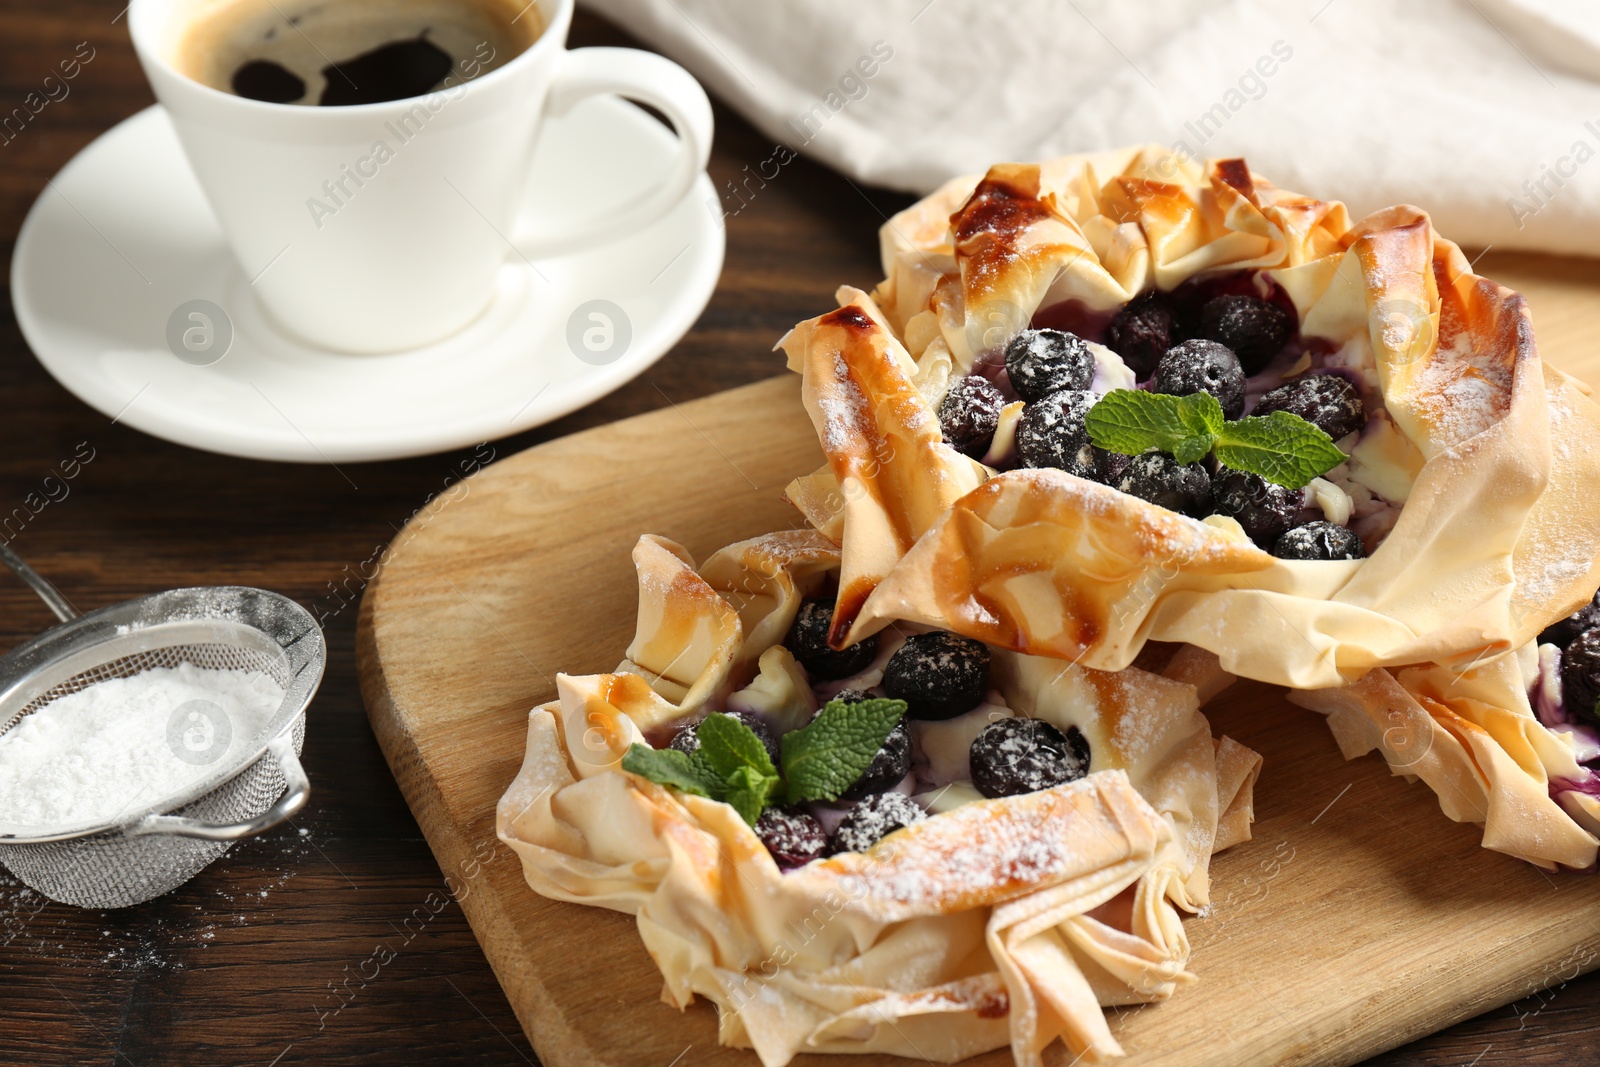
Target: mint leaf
(707, 773)
(823, 759)
(1132, 422)
(668, 766)
(1201, 414)
(1281, 447)
(820, 761)
(727, 744)
(748, 792)
(731, 765)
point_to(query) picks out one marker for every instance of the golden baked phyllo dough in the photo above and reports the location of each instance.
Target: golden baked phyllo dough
(1122, 398)
(918, 845)
(1118, 398)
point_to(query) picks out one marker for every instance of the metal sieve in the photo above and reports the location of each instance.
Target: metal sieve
(161, 842)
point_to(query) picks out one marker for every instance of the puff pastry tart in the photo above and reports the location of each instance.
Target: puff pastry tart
(917, 845)
(1118, 398)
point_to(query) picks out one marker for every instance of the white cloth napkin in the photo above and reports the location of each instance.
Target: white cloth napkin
(1486, 113)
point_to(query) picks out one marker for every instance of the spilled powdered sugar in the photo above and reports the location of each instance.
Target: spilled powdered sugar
(103, 945)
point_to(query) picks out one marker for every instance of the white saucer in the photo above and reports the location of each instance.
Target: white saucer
(123, 236)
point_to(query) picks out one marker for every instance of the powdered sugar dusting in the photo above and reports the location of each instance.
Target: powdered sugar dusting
(845, 413)
(1143, 714)
(1464, 391)
(984, 853)
(875, 818)
(1549, 577)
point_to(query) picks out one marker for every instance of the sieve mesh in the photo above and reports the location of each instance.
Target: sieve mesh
(112, 870)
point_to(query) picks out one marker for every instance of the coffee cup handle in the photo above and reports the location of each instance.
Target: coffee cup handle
(657, 81)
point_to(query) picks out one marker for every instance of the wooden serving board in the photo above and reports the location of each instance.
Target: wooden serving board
(1357, 919)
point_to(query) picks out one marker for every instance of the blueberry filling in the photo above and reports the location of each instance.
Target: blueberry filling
(1051, 433)
(1564, 632)
(1580, 677)
(1319, 541)
(1163, 481)
(1142, 331)
(1013, 756)
(1265, 511)
(1327, 401)
(1208, 335)
(1042, 362)
(939, 675)
(808, 640)
(1203, 367)
(970, 414)
(793, 837)
(1565, 693)
(872, 820)
(1255, 329)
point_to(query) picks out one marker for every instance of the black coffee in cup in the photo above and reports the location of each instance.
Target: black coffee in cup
(342, 52)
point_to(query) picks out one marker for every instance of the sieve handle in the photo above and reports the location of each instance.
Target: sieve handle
(37, 582)
(293, 799)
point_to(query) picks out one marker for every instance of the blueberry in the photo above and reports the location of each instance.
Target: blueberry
(1255, 329)
(1163, 481)
(1012, 756)
(686, 740)
(1051, 433)
(1265, 510)
(1142, 332)
(808, 640)
(1580, 677)
(939, 675)
(888, 767)
(1319, 540)
(872, 820)
(970, 414)
(1041, 362)
(1327, 401)
(851, 696)
(793, 837)
(1562, 633)
(1202, 367)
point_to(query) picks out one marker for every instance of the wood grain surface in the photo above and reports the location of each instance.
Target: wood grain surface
(273, 956)
(1356, 919)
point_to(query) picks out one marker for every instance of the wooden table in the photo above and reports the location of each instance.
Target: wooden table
(271, 956)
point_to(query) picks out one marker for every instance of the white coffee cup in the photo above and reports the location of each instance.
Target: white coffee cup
(410, 252)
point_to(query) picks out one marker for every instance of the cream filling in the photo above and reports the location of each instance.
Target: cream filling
(947, 744)
(1385, 461)
(949, 798)
(1109, 371)
(1333, 502)
(1003, 449)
